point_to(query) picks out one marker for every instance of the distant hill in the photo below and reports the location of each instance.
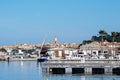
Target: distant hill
(104, 36)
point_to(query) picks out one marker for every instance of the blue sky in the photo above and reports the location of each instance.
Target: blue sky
(28, 21)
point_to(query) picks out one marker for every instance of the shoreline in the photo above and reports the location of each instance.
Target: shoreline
(18, 59)
(24, 59)
(35, 59)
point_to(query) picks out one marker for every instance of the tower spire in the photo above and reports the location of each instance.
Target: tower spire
(55, 41)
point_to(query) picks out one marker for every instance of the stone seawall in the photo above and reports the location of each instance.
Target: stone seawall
(84, 67)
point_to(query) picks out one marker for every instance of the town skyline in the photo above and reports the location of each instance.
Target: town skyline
(70, 21)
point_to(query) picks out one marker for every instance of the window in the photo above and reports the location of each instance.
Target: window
(94, 52)
(105, 51)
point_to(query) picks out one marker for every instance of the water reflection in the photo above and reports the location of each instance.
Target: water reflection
(21, 63)
(32, 71)
(48, 76)
(82, 77)
(8, 63)
(39, 68)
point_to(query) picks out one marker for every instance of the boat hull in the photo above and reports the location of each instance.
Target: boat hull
(41, 59)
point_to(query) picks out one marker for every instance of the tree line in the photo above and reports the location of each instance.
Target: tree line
(104, 36)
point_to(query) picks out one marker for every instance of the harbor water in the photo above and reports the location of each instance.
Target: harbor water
(31, 70)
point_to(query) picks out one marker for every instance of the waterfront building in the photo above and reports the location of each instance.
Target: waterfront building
(26, 46)
(105, 49)
(2, 53)
(61, 53)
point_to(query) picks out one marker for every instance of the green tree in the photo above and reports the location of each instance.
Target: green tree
(113, 34)
(14, 51)
(102, 34)
(3, 50)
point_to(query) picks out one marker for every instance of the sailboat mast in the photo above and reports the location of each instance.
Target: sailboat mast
(41, 47)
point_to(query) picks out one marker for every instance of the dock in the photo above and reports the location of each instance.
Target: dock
(105, 66)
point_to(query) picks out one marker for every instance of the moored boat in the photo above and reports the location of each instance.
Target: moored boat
(42, 59)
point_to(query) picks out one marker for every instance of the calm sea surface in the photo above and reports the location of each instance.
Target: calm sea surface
(32, 71)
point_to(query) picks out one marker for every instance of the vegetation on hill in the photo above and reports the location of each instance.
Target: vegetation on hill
(3, 50)
(104, 36)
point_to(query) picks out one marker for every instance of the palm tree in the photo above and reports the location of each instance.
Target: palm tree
(113, 34)
(102, 33)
